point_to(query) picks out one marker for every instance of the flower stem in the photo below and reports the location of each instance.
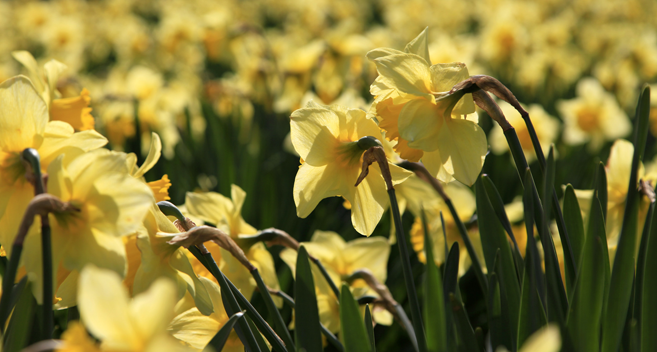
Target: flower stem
(416, 313)
(32, 157)
(281, 328)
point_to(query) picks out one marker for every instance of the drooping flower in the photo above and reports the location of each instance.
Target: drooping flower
(226, 214)
(413, 105)
(327, 139)
(120, 323)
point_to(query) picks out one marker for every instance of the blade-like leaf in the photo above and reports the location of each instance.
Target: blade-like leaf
(219, 340)
(573, 218)
(493, 239)
(279, 324)
(534, 260)
(450, 286)
(648, 302)
(597, 225)
(434, 309)
(465, 335)
(532, 315)
(20, 324)
(370, 328)
(622, 273)
(585, 313)
(307, 332)
(262, 344)
(352, 331)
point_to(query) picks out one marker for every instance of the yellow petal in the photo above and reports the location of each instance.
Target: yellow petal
(154, 154)
(202, 299)
(194, 328)
(409, 73)
(60, 138)
(307, 123)
(381, 52)
(446, 76)
(463, 149)
(368, 201)
(420, 46)
(76, 339)
(263, 260)
(312, 184)
(151, 310)
(103, 303)
(160, 188)
(53, 70)
(74, 111)
(23, 116)
(27, 60)
(94, 247)
(547, 339)
(211, 206)
(434, 164)
(420, 122)
(371, 253)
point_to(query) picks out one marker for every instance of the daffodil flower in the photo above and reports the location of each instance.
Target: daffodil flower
(160, 187)
(414, 106)
(327, 139)
(341, 259)
(120, 323)
(73, 110)
(226, 214)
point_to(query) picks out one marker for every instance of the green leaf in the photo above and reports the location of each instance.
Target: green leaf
(575, 226)
(281, 328)
(623, 271)
(585, 313)
(450, 285)
(262, 344)
(641, 268)
(648, 323)
(370, 328)
(219, 340)
(531, 250)
(20, 324)
(465, 335)
(532, 315)
(600, 186)
(434, 309)
(307, 332)
(352, 330)
(597, 226)
(498, 206)
(493, 239)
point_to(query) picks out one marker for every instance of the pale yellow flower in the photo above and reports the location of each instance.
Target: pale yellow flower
(121, 323)
(327, 138)
(594, 116)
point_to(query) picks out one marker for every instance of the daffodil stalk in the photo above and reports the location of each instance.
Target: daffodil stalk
(376, 154)
(424, 174)
(32, 157)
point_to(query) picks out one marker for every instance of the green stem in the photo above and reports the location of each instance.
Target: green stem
(326, 275)
(8, 283)
(281, 328)
(231, 306)
(32, 156)
(416, 313)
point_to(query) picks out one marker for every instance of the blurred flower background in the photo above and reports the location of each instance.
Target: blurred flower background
(218, 81)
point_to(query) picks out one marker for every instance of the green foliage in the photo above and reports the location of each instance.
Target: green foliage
(307, 330)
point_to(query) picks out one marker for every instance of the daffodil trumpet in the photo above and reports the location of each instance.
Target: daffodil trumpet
(424, 175)
(376, 154)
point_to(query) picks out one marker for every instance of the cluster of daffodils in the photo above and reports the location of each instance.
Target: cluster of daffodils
(150, 66)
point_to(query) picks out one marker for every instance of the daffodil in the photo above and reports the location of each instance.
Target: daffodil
(196, 329)
(327, 139)
(120, 323)
(160, 187)
(225, 214)
(341, 259)
(72, 110)
(161, 259)
(594, 116)
(464, 202)
(414, 106)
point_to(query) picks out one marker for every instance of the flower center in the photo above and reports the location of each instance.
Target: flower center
(588, 119)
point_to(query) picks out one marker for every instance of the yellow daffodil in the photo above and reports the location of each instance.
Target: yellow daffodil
(546, 339)
(196, 329)
(120, 323)
(327, 138)
(413, 106)
(464, 202)
(341, 259)
(161, 259)
(73, 110)
(594, 116)
(546, 126)
(160, 188)
(226, 215)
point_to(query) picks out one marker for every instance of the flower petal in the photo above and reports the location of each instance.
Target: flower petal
(23, 116)
(409, 73)
(314, 183)
(463, 149)
(445, 76)
(151, 310)
(307, 123)
(154, 154)
(420, 46)
(419, 123)
(368, 201)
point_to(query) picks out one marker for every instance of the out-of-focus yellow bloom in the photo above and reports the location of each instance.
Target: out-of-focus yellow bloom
(413, 106)
(121, 323)
(226, 214)
(196, 329)
(326, 139)
(593, 116)
(161, 259)
(160, 188)
(546, 339)
(341, 259)
(73, 110)
(546, 126)
(464, 202)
